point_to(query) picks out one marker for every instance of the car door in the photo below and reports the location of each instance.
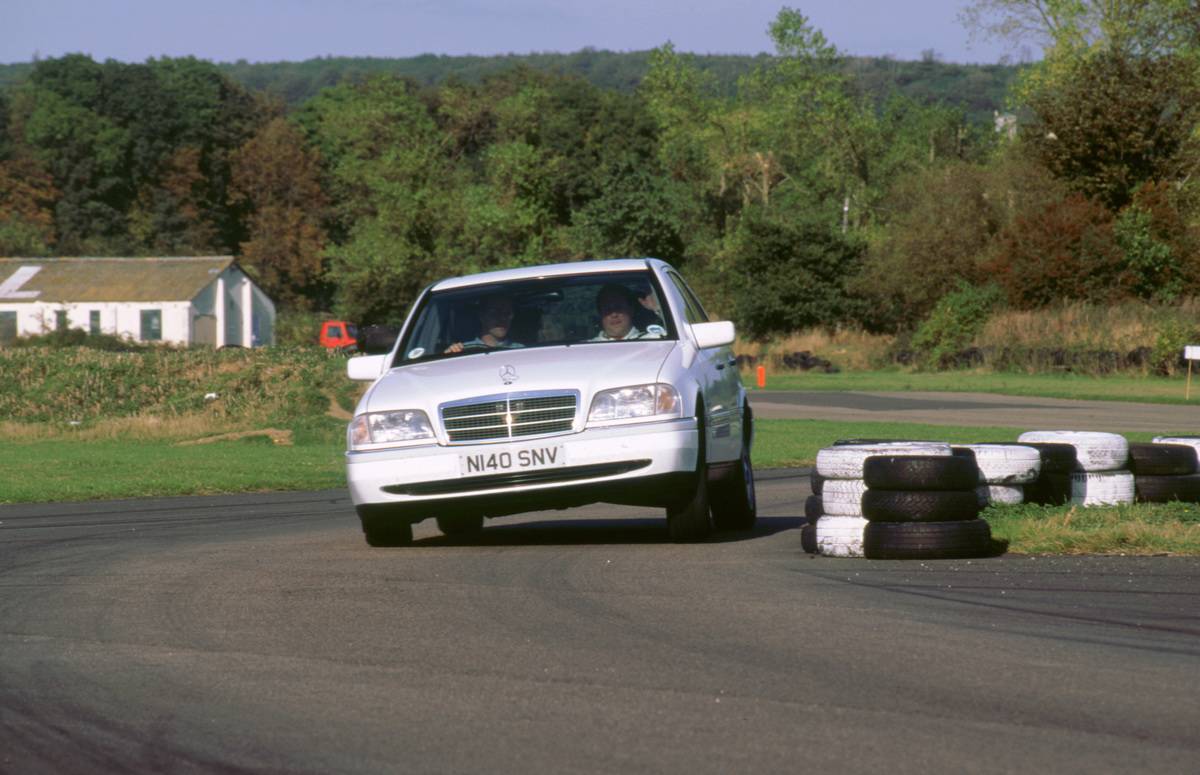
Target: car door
(722, 384)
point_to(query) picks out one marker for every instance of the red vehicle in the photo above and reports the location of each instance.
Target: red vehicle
(338, 335)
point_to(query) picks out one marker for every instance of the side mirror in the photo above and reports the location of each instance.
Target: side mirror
(718, 334)
(365, 368)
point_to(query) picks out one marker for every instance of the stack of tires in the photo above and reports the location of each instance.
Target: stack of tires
(1005, 470)
(1053, 485)
(1100, 477)
(836, 524)
(923, 508)
(1166, 470)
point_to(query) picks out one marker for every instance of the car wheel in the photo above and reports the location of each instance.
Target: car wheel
(691, 520)
(395, 534)
(384, 527)
(734, 505)
(460, 524)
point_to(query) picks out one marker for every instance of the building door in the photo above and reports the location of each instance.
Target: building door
(204, 329)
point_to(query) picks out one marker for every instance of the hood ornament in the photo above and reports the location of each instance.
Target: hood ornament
(508, 374)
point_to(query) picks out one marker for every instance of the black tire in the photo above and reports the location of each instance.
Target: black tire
(808, 539)
(920, 505)
(1162, 459)
(1056, 458)
(927, 540)
(460, 525)
(690, 520)
(816, 482)
(918, 472)
(385, 525)
(813, 508)
(1164, 489)
(1051, 489)
(734, 504)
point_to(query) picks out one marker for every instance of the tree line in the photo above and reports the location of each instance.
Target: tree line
(800, 197)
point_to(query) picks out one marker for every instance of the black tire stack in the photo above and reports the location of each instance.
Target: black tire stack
(923, 508)
(1166, 470)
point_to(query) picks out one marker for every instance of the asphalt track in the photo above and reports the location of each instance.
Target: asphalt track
(258, 633)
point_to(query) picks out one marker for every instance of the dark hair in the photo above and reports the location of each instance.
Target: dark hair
(616, 289)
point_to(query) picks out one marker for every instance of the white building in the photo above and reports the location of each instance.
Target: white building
(203, 300)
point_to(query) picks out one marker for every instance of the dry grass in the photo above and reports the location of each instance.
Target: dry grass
(848, 349)
(1120, 327)
(135, 428)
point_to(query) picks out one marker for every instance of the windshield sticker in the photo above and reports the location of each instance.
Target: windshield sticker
(655, 330)
(415, 353)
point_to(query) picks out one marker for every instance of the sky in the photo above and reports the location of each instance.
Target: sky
(275, 30)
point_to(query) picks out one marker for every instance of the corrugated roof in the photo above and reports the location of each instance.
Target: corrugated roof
(73, 280)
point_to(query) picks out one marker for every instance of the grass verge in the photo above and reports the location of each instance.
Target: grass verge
(1155, 390)
(1143, 528)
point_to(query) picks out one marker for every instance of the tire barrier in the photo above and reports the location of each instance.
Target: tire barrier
(1168, 469)
(846, 461)
(927, 540)
(902, 499)
(1101, 488)
(840, 536)
(1007, 464)
(1093, 451)
(1006, 494)
(843, 497)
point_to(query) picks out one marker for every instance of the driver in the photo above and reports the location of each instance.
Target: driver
(495, 320)
(615, 305)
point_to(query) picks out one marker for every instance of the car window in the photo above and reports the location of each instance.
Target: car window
(692, 308)
(600, 308)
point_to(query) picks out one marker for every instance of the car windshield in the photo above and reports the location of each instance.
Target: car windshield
(606, 308)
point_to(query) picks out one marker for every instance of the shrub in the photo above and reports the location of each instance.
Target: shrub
(791, 276)
(955, 322)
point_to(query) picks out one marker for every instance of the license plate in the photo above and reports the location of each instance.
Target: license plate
(505, 460)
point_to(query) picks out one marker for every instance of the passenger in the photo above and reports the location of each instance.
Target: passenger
(647, 313)
(615, 304)
(495, 320)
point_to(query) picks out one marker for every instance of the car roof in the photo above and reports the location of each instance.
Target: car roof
(550, 270)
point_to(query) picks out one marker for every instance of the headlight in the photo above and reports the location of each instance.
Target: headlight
(389, 427)
(635, 402)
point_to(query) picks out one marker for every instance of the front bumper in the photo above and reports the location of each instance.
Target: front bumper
(644, 465)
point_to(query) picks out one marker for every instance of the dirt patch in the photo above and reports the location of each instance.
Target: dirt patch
(280, 437)
(336, 411)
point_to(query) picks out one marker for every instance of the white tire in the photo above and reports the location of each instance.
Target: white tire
(1007, 494)
(1102, 488)
(840, 536)
(843, 497)
(1006, 463)
(1093, 451)
(846, 462)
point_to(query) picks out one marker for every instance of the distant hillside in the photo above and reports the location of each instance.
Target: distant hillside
(977, 89)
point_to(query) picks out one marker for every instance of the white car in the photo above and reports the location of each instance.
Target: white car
(550, 387)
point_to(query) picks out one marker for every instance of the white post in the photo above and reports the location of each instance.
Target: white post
(219, 309)
(247, 313)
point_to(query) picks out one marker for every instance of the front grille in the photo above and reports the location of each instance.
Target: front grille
(516, 415)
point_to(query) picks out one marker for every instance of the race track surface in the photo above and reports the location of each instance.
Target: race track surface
(259, 633)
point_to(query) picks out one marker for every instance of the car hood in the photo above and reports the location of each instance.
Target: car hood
(583, 367)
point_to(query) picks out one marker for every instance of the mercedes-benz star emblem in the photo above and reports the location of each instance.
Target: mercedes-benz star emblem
(508, 374)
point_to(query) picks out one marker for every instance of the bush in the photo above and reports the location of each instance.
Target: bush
(791, 276)
(954, 323)
(1066, 250)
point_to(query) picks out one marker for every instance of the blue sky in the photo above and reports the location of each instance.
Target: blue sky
(272, 30)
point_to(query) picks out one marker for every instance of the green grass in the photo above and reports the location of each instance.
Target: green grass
(1144, 528)
(1159, 390)
(69, 470)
